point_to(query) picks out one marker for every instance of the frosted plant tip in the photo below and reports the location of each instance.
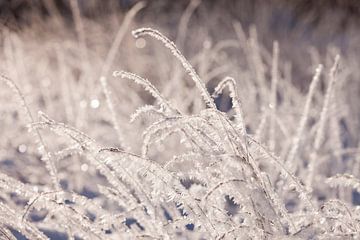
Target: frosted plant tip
(117, 73)
(140, 31)
(135, 33)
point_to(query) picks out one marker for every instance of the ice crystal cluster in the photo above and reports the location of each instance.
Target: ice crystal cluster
(273, 163)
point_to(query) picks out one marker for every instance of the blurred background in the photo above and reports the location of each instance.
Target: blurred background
(298, 24)
(57, 50)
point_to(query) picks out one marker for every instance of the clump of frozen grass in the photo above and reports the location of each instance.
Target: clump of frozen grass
(246, 172)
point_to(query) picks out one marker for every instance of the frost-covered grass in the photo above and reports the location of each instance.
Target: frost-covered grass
(221, 145)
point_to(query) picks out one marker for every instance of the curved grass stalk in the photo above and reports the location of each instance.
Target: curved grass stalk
(175, 51)
(148, 87)
(230, 82)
